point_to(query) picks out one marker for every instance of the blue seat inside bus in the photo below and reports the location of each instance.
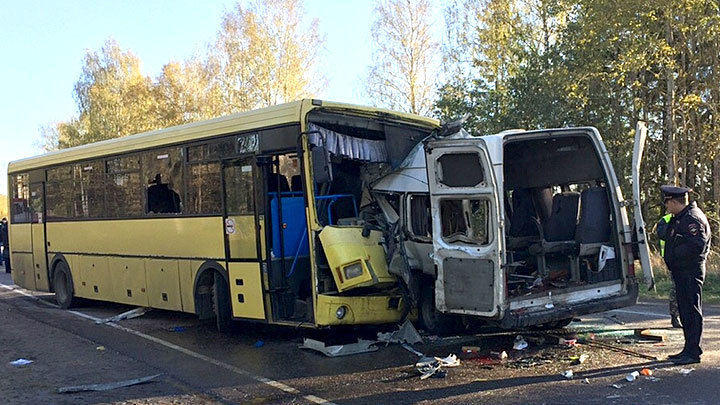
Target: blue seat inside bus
(290, 214)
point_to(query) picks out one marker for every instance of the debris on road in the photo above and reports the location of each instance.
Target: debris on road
(20, 362)
(362, 346)
(586, 381)
(134, 313)
(567, 342)
(614, 319)
(632, 376)
(178, 329)
(106, 386)
(432, 366)
(579, 359)
(648, 335)
(259, 344)
(405, 334)
(646, 372)
(686, 371)
(520, 343)
(568, 374)
(617, 386)
(100, 348)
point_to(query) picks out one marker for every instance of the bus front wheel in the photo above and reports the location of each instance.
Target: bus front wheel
(63, 286)
(221, 303)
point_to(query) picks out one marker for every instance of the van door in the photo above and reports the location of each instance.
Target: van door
(641, 235)
(466, 229)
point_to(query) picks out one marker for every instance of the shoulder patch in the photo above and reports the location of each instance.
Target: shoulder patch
(693, 229)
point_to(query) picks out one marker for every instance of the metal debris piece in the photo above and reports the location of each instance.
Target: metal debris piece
(362, 346)
(405, 334)
(134, 313)
(586, 381)
(411, 350)
(647, 334)
(20, 362)
(616, 386)
(686, 371)
(106, 386)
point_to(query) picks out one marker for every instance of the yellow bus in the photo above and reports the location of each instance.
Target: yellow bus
(248, 217)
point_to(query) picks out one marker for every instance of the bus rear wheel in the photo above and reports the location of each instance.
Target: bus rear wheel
(63, 286)
(432, 320)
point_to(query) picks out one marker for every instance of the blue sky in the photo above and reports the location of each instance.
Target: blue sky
(43, 44)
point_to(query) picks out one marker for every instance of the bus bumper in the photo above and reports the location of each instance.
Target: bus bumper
(365, 310)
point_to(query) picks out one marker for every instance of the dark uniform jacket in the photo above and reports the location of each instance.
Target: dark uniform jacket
(687, 241)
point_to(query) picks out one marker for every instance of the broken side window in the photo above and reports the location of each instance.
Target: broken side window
(460, 169)
(420, 215)
(465, 221)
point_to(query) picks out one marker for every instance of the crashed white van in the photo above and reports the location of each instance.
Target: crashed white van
(520, 228)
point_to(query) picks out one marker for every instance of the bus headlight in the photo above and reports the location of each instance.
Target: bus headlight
(353, 270)
(341, 311)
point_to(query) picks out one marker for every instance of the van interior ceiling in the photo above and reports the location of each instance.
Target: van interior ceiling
(557, 204)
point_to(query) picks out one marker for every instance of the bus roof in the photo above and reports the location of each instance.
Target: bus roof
(277, 115)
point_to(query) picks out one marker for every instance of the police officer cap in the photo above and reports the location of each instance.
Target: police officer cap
(673, 191)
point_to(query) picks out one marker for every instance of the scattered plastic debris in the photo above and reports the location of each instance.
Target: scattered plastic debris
(586, 381)
(362, 346)
(632, 376)
(646, 372)
(617, 386)
(520, 343)
(107, 386)
(648, 335)
(567, 342)
(502, 355)
(134, 313)
(579, 359)
(568, 374)
(178, 329)
(101, 348)
(405, 334)
(20, 362)
(259, 343)
(432, 366)
(686, 371)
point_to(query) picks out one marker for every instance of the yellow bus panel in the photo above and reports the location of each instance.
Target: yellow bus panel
(20, 238)
(170, 237)
(127, 276)
(94, 278)
(163, 284)
(39, 257)
(187, 269)
(22, 269)
(246, 292)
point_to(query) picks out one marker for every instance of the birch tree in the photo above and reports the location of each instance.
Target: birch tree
(405, 56)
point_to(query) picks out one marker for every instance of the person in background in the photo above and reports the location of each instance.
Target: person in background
(5, 243)
(687, 244)
(661, 231)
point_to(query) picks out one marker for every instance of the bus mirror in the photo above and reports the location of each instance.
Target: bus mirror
(322, 169)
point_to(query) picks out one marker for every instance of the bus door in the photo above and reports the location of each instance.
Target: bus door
(466, 228)
(242, 248)
(37, 232)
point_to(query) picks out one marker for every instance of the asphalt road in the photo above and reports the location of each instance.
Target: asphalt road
(262, 364)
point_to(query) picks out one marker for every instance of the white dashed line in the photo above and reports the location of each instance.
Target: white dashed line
(236, 370)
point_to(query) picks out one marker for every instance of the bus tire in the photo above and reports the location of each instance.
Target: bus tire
(221, 303)
(432, 320)
(63, 286)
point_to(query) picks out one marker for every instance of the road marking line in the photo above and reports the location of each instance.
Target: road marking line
(707, 318)
(237, 370)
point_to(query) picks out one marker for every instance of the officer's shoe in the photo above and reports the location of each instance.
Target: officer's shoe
(686, 360)
(675, 321)
(676, 356)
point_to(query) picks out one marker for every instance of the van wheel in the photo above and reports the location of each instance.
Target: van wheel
(63, 286)
(432, 320)
(221, 303)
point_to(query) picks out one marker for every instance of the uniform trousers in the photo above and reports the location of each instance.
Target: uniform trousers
(688, 287)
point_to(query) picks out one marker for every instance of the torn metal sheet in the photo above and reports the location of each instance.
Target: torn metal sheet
(362, 346)
(405, 334)
(134, 313)
(106, 386)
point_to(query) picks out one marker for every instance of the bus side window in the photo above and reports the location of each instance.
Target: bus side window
(162, 172)
(124, 195)
(20, 208)
(204, 191)
(239, 188)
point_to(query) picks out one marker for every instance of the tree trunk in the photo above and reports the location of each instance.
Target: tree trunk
(669, 117)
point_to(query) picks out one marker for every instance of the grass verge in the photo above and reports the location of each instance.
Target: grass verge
(711, 287)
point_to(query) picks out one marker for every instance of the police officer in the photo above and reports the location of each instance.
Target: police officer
(687, 245)
(661, 231)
